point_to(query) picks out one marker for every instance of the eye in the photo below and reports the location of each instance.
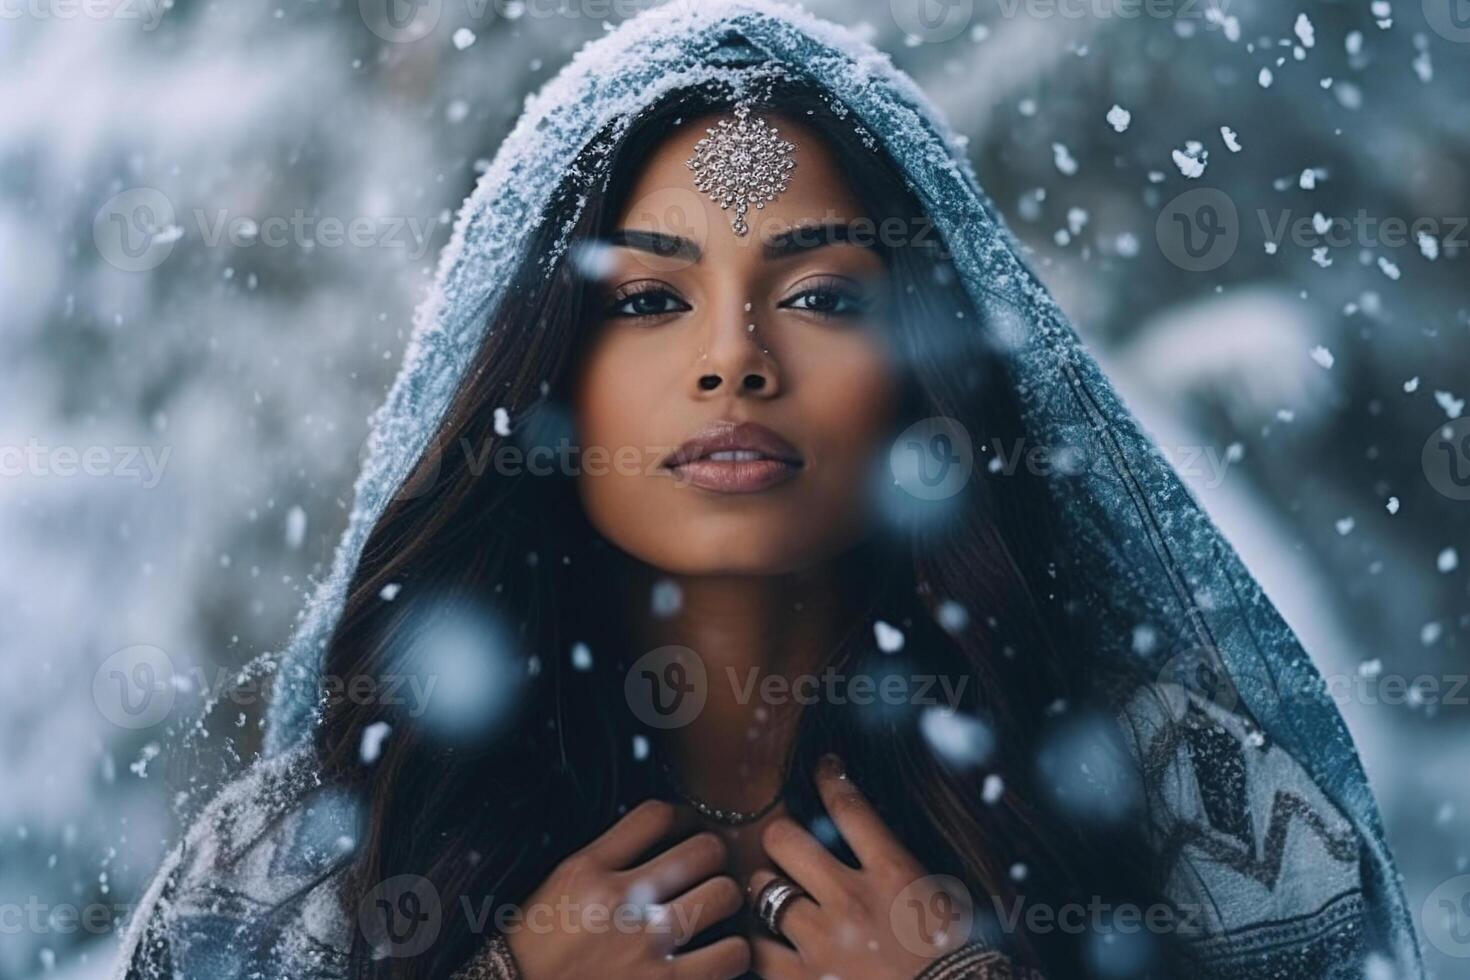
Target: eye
(828, 298)
(645, 300)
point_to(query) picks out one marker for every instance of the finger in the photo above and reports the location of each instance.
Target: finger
(857, 821)
(702, 906)
(800, 921)
(804, 859)
(727, 959)
(773, 961)
(645, 825)
(679, 868)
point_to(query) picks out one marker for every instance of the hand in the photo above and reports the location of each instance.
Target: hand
(600, 914)
(885, 920)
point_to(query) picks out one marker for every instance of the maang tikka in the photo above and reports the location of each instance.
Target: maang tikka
(741, 162)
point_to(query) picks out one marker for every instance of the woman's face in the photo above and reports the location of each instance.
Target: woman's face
(770, 345)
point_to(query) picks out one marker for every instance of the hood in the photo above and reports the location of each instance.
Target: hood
(1177, 593)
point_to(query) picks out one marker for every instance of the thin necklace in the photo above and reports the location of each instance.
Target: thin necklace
(729, 818)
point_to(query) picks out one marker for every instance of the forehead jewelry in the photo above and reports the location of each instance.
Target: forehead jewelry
(741, 162)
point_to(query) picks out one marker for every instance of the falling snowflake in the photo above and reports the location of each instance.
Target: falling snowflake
(959, 739)
(1119, 118)
(1190, 160)
(1424, 67)
(1448, 561)
(1453, 407)
(1304, 31)
(666, 598)
(295, 527)
(953, 617)
(371, 746)
(890, 638)
(1063, 159)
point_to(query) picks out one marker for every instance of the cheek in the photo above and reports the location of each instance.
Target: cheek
(848, 406)
(617, 396)
(623, 380)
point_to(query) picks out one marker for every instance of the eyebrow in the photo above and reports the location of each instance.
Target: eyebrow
(804, 238)
(657, 243)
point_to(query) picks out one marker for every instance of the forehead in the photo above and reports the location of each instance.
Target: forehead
(664, 189)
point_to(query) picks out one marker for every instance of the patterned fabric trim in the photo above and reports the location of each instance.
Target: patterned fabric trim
(494, 962)
(976, 961)
(1312, 942)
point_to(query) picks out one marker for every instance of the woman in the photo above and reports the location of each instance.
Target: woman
(788, 593)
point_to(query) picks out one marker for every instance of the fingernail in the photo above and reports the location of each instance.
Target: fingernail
(831, 763)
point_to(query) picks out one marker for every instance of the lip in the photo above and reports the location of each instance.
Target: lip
(766, 459)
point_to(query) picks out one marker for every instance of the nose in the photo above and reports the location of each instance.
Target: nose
(736, 361)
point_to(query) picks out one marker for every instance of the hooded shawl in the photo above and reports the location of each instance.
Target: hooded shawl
(1259, 780)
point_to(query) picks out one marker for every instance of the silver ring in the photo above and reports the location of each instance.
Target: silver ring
(778, 893)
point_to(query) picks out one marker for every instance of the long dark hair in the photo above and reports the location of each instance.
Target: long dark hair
(485, 816)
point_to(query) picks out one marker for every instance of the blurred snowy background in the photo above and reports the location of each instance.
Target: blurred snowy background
(181, 415)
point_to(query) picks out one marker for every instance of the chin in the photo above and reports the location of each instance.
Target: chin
(755, 567)
(724, 557)
(679, 540)
(700, 549)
